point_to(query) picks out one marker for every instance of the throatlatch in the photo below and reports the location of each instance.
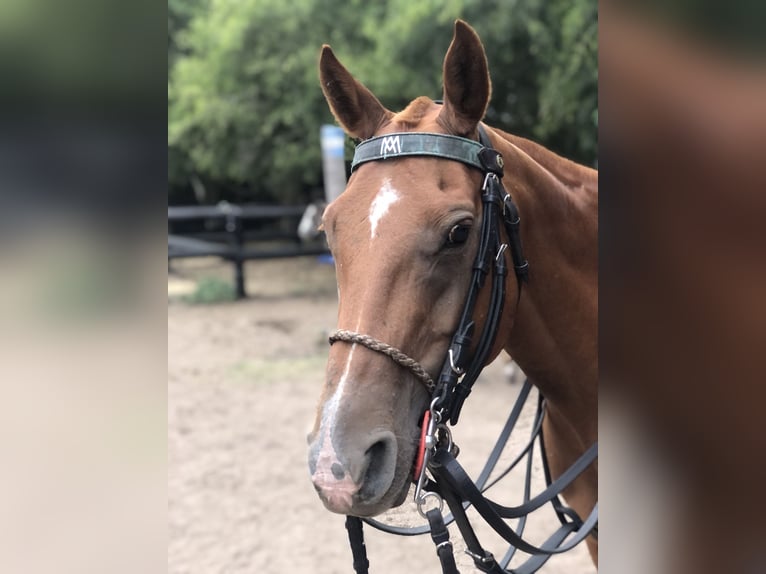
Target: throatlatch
(438, 456)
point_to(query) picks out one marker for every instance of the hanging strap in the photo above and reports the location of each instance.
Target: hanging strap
(489, 466)
(358, 548)
(449, 472)
(460, 498)
(440, 536)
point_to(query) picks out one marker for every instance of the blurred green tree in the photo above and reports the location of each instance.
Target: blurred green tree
(245, 105)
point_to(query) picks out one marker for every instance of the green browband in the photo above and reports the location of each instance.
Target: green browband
(444, 146)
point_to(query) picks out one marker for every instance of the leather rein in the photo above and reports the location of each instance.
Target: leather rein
(459, 372)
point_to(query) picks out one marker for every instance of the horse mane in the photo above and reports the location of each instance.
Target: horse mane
(566, 171)
(569, 173)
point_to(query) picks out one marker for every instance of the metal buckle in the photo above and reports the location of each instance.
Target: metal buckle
(455, 369)
(487, 177)
(430, 443)
(486, 559)
(421, 502)
(507, 199)
(443, 432)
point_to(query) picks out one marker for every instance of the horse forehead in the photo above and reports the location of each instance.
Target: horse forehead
(381, 186)
(402, 192)
(397, 207)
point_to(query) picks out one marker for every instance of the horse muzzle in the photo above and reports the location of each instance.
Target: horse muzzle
(357, 477)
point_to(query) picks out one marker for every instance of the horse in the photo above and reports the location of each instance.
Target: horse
(403, 235)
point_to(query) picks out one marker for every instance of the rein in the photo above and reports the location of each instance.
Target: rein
(459, 372)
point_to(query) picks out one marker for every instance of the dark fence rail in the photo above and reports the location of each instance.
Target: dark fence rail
(246, 211)
(235, 247)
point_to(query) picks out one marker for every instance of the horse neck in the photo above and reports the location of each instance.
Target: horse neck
(554, 334)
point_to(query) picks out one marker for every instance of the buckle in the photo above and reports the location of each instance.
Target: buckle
(487, 177)
(455, 369)
(509, 208)
(488, 557)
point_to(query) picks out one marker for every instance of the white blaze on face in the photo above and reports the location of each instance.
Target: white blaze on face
(327, 455)
(385, 198)
(328, 416)
(337, 490)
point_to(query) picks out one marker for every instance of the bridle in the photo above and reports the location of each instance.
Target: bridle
(497, 206)
(459, 372)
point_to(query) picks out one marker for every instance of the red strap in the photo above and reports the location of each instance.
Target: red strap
(422, 445)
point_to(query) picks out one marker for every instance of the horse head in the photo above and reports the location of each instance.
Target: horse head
(404, 235)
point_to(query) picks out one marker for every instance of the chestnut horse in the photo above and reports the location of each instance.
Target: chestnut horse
(404, 235)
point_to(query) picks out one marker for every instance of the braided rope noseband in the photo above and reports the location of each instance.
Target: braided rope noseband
(392, 352)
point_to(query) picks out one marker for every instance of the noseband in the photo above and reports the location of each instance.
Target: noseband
(459, 371)
(395, 354)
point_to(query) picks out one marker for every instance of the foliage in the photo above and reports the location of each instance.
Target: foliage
(180, 14)
(245, 105)
(211, 290)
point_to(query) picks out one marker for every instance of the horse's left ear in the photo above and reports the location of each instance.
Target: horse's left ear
(466, 81)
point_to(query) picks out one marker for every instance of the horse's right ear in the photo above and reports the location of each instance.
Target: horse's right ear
(355, 107)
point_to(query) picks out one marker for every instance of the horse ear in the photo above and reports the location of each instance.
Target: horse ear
(355, 107)
(466, 81)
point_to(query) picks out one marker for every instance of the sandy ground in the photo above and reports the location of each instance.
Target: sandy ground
(243, 382)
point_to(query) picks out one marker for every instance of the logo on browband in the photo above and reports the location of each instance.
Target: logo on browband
(390, 145)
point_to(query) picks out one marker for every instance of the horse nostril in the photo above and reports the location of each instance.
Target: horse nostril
(376, 455)
(338, 471)
(381, 464)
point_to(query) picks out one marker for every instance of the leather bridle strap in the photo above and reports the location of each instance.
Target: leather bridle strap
(453, 484)
(482, 482)
(457, 489)
(440, 537)
(407, 144)
(497, 206)
(356, 541)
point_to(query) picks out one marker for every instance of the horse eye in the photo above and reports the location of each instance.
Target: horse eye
(458, 234)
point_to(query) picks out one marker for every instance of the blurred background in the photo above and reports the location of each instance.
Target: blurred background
(107, 118)
(245, 109)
